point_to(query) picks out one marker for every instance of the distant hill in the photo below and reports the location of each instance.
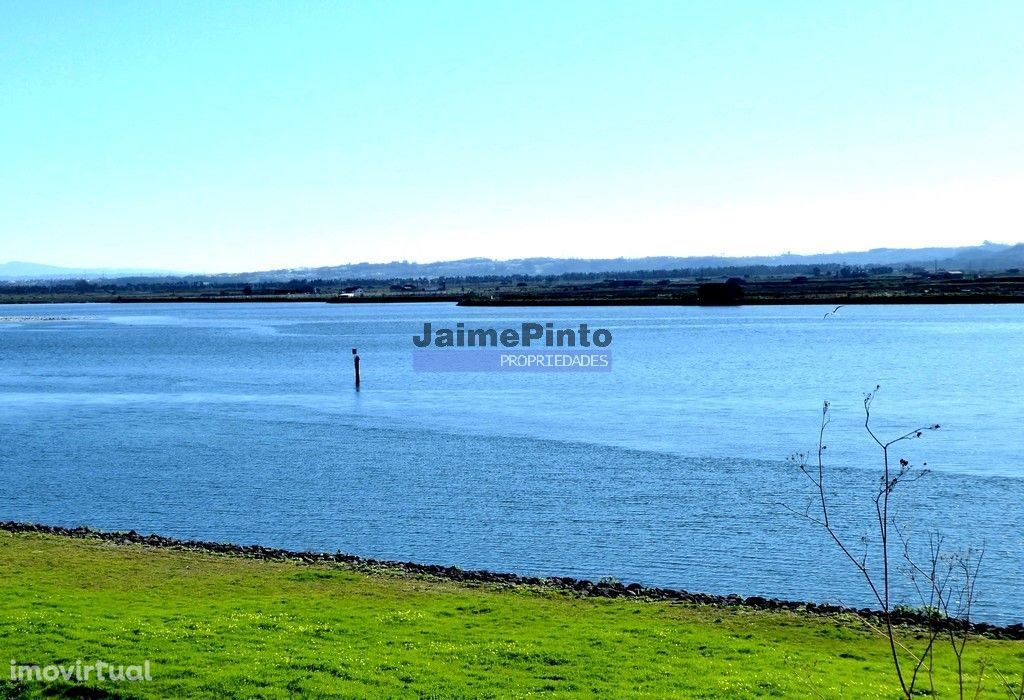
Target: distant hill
(15, 270)
(26, 270)
(987, 256)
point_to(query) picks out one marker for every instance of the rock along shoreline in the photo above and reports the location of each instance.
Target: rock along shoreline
(578, 587)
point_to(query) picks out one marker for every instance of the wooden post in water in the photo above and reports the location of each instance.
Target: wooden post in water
(355, 362)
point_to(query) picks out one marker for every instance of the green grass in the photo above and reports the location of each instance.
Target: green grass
(224, 626)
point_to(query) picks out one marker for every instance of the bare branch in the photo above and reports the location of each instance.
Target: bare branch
(941, 598)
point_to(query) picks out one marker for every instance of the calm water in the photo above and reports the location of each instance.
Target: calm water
(239, 423)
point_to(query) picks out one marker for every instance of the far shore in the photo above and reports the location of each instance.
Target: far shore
(935, 288)
(788, 298)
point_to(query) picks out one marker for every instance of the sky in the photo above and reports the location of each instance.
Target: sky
(231, 136)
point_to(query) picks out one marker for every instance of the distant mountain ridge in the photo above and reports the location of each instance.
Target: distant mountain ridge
(987, 256)
(24, 270)
(17, 270)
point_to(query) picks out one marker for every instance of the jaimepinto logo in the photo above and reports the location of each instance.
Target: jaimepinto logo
(530, 347)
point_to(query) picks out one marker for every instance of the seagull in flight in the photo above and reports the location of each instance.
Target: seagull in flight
(833, 311)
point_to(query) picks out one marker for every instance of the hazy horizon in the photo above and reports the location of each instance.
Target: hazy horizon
(153, 271)
(232, 137)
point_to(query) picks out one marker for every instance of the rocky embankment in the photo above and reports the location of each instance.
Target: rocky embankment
(580, 587)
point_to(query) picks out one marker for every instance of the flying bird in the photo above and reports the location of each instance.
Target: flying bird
(833, 311)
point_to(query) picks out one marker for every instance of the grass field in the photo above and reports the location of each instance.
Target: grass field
(227, 626)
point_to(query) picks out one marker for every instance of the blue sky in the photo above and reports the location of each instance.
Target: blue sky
(233, 136)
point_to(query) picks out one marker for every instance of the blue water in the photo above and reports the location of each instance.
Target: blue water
(239, 423)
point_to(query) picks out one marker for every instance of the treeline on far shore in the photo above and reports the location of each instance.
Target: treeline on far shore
(754, 284)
